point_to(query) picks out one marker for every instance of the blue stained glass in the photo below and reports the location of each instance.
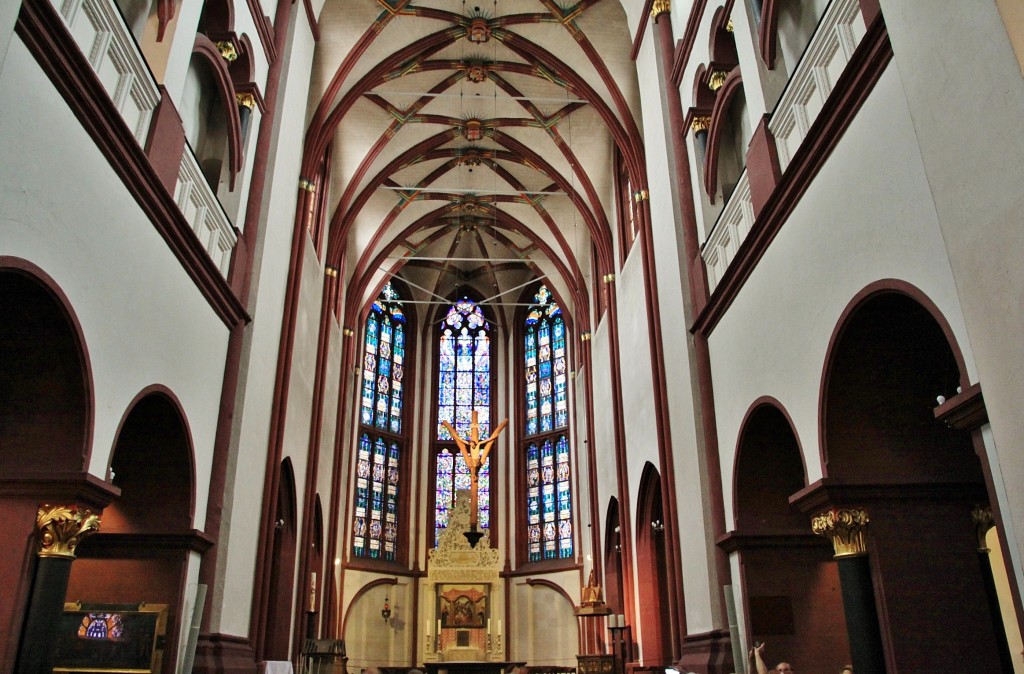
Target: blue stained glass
(464, 353)
(375, 525)
(463, 386)
(548, 469)
(371, 334)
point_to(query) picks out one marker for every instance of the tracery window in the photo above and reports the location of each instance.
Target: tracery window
(375, 528)
(549, 531)
(463, 386)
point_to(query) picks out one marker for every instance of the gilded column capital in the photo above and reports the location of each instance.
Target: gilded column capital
(659, 7)
(227, 50)
(307, 185)
(246, 99)
(61, 528)
(700, 123)
(847, 527)
(983, 521)
(717, 79)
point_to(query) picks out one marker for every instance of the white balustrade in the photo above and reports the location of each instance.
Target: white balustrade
(100, 32)
(203, 212)
(730, 230)
(826, 57)
(828, 53)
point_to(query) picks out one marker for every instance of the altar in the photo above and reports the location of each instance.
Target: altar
(464, 598)
(493, 667)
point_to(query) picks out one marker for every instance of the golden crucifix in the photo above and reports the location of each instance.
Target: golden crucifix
(474, 451)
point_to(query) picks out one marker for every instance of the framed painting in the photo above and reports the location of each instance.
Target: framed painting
(110, 638)
(463, 605)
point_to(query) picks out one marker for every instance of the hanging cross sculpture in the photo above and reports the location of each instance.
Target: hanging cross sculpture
(474, 451)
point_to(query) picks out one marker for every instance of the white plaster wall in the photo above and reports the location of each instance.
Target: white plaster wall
(544, 629)
(369, 641)
(329, 431)
(232, 609)
(603, 443)
(583, 499)
(842, 236)
(144, 322)
(966, 94)
(695, 534)
(8, 17)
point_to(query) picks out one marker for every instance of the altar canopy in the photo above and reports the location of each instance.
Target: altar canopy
(463, 590)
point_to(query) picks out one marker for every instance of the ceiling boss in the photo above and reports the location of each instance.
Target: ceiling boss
(474, 451)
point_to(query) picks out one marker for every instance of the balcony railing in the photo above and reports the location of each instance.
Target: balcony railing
(730, 229)
(100, 32)
(203, 211)
(839, 32)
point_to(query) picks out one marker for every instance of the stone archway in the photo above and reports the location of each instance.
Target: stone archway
(791, 590)
(282, 569)
(654, 624)
(917, 479)
(143, 549)
(45, 437)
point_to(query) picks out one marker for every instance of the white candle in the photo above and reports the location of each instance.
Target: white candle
(499, 628)
(438, 627)
(488, 626)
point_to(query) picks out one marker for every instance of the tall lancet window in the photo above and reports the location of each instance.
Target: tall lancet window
(375, 528)
(547, 455)
(463, 386)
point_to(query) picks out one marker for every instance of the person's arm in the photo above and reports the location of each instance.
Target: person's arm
(759, 659)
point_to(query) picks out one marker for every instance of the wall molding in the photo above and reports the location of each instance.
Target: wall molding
(44, 33)
(851, 91)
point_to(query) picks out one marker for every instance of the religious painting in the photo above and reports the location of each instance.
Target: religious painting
(110, 638)
(463, 606)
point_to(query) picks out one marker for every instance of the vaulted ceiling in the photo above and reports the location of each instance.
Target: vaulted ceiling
(472, 144)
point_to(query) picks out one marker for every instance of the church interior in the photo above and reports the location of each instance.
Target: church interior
(585, 336)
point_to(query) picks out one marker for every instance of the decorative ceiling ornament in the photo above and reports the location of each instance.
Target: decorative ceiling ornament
(470, 205)
(478, 32)
(476, 73)
(471, 158)
(473, 130)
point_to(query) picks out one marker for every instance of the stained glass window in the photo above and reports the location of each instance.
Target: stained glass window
(453, 475)
(464, 386)
(547, 406)
(384, 363)
(549, 532)
(464, 370)
(375, 526)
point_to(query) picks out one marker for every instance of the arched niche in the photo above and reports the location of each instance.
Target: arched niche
(278, 620)
(653, 626)
(791, 589)
(142, 551)
(613, 558)
(886, 369)
(769, 468)
(45, 390)
(46, 410)
(884, 451)
(153, 466)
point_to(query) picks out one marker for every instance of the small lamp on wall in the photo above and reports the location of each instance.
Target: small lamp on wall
(386, 611)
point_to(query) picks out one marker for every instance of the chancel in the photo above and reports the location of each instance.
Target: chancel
(554, 336)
